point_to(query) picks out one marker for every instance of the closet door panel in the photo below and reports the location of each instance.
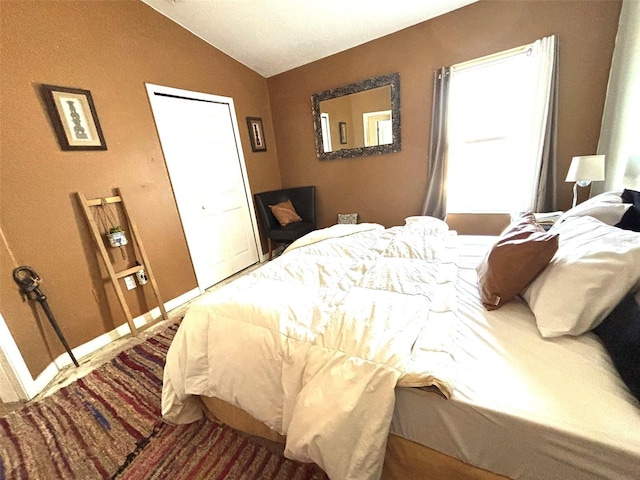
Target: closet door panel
(206, 167)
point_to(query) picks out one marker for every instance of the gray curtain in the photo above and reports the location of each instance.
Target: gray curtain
(547, 195)
(435, 200)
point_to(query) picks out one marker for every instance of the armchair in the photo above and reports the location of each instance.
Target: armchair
(304, 202)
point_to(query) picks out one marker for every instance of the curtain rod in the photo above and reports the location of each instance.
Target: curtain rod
(494, 57)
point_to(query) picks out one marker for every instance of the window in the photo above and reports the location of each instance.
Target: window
(377, 128)
(497, 115)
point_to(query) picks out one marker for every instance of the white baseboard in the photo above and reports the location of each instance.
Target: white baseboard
(27, 387)
(10, 388)
(15, 369)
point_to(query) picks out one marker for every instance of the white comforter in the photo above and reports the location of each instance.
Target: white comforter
(314, 343)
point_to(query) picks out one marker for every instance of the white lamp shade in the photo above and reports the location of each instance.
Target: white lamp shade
(589, 168)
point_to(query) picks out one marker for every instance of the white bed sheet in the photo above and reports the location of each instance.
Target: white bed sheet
(524, 406)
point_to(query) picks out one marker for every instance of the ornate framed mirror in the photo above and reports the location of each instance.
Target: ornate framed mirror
(357, 120)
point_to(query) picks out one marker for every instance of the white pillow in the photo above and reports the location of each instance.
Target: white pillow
(595, 266)
(606, 207)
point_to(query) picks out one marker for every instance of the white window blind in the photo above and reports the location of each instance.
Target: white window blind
(497, 116)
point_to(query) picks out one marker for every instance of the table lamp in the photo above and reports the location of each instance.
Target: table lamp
(584, 170)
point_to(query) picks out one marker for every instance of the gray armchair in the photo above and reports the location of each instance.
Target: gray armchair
(304, 202)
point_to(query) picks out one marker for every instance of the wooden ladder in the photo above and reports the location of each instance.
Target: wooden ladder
(143, 261)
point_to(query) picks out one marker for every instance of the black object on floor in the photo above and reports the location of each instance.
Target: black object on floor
(29, 282)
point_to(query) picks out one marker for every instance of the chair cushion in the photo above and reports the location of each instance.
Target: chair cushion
(291, 232)
(285, 213)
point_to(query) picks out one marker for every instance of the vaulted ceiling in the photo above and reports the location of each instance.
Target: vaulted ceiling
(274, 36)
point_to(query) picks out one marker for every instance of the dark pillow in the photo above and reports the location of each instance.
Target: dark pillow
(630, 220)
(620, 333)
(631, 196)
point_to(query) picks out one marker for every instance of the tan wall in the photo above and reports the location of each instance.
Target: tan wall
(349, 109)
(339, 110)
(111, 49)
(375, 100)
(388, 188)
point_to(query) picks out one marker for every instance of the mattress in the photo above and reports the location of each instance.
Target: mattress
(524, 406)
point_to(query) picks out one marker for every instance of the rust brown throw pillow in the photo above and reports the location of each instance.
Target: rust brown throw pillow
(523, 250)
(285, 213)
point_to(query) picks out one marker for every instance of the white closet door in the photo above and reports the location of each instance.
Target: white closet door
(199, 137)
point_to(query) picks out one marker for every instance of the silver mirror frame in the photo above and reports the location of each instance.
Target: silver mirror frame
(392, 79)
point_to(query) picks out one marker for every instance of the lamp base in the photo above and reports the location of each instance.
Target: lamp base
(579, 183)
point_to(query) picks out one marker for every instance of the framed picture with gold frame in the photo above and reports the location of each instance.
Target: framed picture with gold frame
(256, 134)
(74, 118)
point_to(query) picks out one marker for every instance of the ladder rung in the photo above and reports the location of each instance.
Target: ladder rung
(98, 201)
(129, 271)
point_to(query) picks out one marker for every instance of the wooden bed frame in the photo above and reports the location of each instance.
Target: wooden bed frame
(404, 459)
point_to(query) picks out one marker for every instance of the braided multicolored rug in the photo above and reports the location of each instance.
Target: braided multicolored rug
(107, 425)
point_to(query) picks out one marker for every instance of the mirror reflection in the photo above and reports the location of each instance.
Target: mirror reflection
(359, 119)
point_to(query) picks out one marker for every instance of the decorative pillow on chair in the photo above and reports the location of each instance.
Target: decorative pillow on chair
(620, 333)
(285, 213)
(523, 250)
(607, 207)
(594, 268)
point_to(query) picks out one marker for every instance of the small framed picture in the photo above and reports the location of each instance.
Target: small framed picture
(74, 118)
(342, 126)
(256, 134)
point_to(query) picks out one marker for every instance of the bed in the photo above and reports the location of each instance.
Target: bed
(439, 384)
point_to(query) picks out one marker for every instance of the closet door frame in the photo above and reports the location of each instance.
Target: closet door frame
(152, 89)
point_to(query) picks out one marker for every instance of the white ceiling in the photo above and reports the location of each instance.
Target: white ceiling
(273, 36)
